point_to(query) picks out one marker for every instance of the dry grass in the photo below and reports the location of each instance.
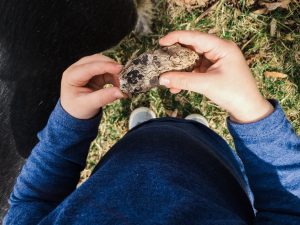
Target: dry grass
(276, 51)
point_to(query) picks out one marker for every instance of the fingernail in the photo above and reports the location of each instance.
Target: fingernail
(119, 95)
(163, 40)
(164, 81)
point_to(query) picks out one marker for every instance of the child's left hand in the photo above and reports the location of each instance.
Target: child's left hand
(82, 92)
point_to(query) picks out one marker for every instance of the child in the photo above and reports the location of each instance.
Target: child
(164, 171)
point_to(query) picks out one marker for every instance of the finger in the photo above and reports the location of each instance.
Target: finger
(80, 75)
(211, 46)
(175, 90)
(111, 79)
(205, 64)
(99, 81)
(104, 96)
(115, 80)
(196, 82)
(93, 58)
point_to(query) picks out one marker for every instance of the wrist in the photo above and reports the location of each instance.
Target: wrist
(252, 113)
(76, 110)
(64, 119)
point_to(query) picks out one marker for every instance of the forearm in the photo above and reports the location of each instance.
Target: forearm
(270, 151)
(53, 169)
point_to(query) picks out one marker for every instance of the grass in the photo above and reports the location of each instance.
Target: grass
(278, 52)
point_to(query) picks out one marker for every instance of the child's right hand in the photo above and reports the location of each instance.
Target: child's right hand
(223, 76)
(82, 92)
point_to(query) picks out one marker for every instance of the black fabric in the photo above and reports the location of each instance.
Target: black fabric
(39, 39)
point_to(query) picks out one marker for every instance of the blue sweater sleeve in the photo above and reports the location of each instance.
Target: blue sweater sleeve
(53, 169)
(270, 151)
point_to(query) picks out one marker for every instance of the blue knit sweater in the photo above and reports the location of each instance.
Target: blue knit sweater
(165, 171)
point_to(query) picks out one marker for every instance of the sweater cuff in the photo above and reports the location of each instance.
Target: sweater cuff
(68, 121)
(262, 128)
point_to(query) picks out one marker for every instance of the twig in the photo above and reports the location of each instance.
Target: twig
(206, 12)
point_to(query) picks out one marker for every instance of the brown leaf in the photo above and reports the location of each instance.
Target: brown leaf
(278, 35)
(289, 22)
(275, 74)
(270, 6)
(289, 37)
(273, 27)
(261, 11)
(237, 13)
(174, 113)
(297, 57)
(190, 3)
(171, 113)
(250, 2)
(250, 59)
(214, 30)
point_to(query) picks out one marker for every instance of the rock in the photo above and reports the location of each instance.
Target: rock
(142, 73)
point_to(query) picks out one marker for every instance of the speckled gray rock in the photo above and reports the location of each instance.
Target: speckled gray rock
(142, 73)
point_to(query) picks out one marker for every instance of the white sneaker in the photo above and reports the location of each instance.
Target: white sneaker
(198, 118)
(140, 115)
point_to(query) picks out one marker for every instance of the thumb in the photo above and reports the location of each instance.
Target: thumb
(196, 82)
(104, 96)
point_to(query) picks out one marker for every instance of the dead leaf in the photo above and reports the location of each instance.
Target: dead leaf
(190, 3)
(250, 2)
(206, 12)
(261, 11)
(174, 113)
(273, 27)
(250, 59)
(278, 35)
(271, 6)
(275, 74)
(214, 30)
(289, 37)
(171, 113)
(237, 13)
(289, 22)
(297, 57)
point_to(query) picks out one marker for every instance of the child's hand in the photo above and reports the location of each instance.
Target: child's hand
(82, 92)
(223, 76)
